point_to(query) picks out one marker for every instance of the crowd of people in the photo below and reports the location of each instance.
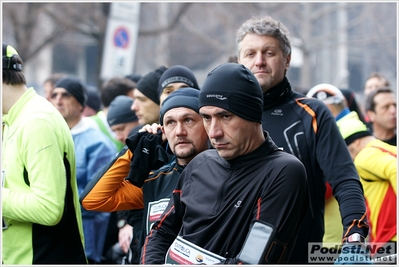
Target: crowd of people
(239, 170)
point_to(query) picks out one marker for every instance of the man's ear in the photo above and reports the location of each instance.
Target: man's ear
(288, 61)
(371, 115)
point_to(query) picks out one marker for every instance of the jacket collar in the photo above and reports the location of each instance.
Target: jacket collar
(277, 95)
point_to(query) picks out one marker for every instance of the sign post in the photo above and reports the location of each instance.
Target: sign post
(120, 40)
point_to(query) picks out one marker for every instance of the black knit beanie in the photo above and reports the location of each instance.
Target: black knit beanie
(119, 111)
(186, 97)
(233, 87)
(75, 87)
(177, 74)
(148, 84)
(93, 98)
(135, 77)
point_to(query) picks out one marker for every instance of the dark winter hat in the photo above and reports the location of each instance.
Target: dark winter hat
(119, 111)
(93, 98)
(148, 84)
(135, 77)
(186, 97)
(75, 87)
(233, 87)
(9, 62)
(177, 74)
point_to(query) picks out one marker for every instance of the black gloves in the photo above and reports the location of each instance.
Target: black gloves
(148, 154)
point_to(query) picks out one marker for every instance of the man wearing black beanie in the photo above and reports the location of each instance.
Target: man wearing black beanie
(121, 118)
(174, 78)
(146, 104)
(93, 103)
(148, 84)
(239, 92)
(75, 87)
(225, 194)
(185, 133)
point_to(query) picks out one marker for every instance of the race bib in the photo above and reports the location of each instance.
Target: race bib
(183, 252)
(155, 210)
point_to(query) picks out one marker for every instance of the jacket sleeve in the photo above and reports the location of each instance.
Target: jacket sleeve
(42, 201)
(109, 191)
(333, 156)
(290, 190)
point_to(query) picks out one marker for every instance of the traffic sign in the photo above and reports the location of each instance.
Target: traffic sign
(120, 40)
(121, 37)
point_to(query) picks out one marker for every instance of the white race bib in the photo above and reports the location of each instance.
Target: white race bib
(183, 252)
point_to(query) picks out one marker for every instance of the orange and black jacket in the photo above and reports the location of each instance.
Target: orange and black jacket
(118, 186)
(111, 191)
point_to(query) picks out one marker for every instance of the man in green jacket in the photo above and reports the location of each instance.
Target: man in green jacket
(42, 221)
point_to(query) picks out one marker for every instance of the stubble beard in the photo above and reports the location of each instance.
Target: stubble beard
(186, 154)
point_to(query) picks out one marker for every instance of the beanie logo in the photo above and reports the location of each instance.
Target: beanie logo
(146, 150)
(111, 121)
(220, 97)
(177, 79)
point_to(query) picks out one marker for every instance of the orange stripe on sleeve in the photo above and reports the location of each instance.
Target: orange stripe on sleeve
(360, 224)
(258, 211)
(311, 113)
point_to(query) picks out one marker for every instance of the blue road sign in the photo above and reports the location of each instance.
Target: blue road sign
(121, 37)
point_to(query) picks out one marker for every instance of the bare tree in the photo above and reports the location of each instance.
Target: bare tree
(36, 25)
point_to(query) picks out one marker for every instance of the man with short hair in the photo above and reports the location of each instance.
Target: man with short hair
(42, 220)
(305, 128)
(381, 110)
(374, 81)
(246, 180)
